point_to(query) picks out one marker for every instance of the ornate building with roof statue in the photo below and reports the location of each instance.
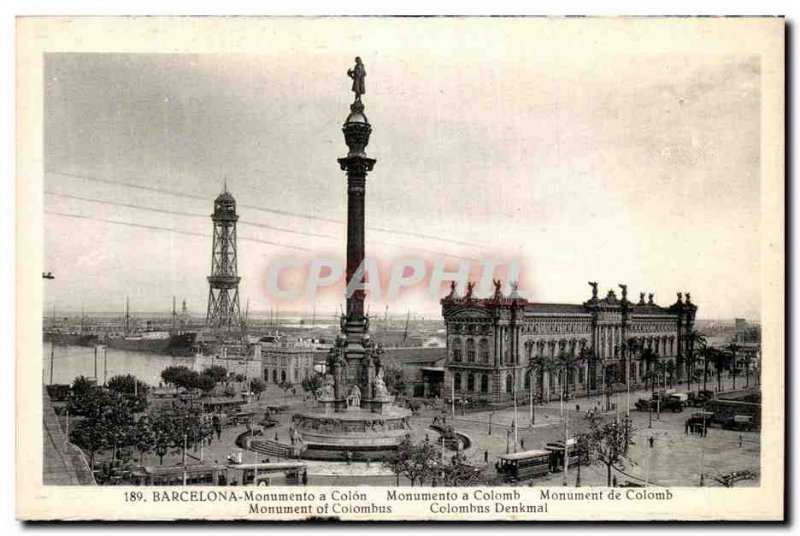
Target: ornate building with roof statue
(504, 346)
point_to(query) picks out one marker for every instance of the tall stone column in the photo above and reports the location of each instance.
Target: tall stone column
(355, 326)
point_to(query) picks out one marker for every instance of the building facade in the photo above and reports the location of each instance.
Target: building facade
(503, 347)
(290, 361)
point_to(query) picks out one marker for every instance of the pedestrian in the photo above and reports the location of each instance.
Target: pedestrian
(614, 481)
(651, 440)
(686, 428)
(485, 456)
(577, 408)
(276, 435)
(522, 443)
(740, 441)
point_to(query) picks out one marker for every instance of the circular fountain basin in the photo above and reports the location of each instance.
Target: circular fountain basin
(362, 433)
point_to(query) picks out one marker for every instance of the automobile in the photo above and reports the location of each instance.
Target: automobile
(699, 422)
(741, 423)
(672, 403)
(699, 398)
(644, 404)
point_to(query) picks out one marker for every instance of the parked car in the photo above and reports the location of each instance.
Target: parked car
(699, 422)
(699, 398)
(672, 403)
(741, 423)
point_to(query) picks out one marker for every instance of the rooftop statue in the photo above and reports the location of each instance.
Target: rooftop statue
(624, 291)
(470, 287)
(641, 298)
(593, 284)
(498, 289)
(358, 73)
(452, 290)
(650, 299)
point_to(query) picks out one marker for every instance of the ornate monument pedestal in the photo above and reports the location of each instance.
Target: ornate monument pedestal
(362, 433)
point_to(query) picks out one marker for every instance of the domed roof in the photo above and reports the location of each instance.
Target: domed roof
(225, 197)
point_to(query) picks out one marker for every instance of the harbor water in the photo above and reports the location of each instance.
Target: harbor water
(70, 361)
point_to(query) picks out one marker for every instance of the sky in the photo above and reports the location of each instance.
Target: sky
(585, 164)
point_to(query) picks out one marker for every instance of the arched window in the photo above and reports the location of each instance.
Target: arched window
(527, 381)
(274, 375)
(470, 350)
(484, 351)
(457, 350)
(484, 383)
(283, 376)
(509, 384)
(470, 382)
(457, 381)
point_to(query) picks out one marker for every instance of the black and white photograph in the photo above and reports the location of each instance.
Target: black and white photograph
(407, 268)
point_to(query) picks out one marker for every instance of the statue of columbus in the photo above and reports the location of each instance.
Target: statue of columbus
(358, 73)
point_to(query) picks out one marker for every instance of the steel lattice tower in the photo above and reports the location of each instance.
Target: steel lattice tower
(223, 292)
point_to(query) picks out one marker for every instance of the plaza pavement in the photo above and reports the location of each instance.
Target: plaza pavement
(674, 459)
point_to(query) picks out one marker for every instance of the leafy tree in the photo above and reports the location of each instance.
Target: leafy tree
(415, 462)
(458, 472)
(311, 384)
(581, 450)
(394, 379)
(107, 423)
(239, 377)
(165, 433)
(132, 389)
(216, 372)
(143, 437)
(82, 396)
(607, 442)
(286, 387)
(175, 375)
(90, 437)
(258, 386)
(204, 383)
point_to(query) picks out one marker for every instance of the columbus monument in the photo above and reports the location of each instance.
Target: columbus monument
(355, 412)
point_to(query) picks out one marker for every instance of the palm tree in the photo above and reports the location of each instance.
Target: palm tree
(649, 357)
(695, 341)
(540, 365)
(709, 354)
(747, 360)
(568, 363)
(635, 348)
(733, 348)
(719, 358)
(670, 370)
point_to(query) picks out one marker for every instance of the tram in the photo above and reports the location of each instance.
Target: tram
(523, 465)
(253, 474)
